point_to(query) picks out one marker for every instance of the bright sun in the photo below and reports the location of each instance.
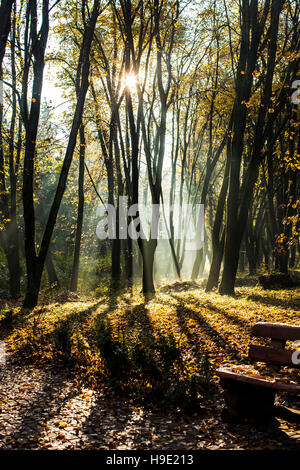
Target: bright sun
(130, 81)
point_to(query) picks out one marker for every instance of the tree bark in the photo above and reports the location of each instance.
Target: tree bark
(5, 22)
(148, 250)
(52, 276)
(75, 268)
(239, 198)
(35, 263)
(217, 241)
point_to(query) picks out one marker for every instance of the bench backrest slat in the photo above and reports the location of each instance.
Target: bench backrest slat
(276, 331)
(275, 353)
(282, 357)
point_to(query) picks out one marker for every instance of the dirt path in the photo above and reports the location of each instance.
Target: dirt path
(46, 409)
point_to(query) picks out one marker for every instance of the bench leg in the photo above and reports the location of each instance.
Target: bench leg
(247, 401)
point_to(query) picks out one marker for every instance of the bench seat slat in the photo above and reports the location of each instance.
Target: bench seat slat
(276, 331)
(279, 386)
(270, 355)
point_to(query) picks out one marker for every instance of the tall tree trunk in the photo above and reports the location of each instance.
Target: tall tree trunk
(31, 121)
(214, 272)
(51, 272)
(217, 241)
(10, 236)
(148, 251)
(5, 21)
(75, 268)
(128, 252)
(239, 198)
(34, 263)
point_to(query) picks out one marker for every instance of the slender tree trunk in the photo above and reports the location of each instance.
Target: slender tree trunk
(116, 254)
(12, 264)
(217, 241)
(292, 257)
(239, 198)
(250, 250)
(75, 268)
(242, 261)
(52, 276)
(148, 250)
(128, 251)
(5, 22)
(35, 264)
(10, 238)
(214, 272)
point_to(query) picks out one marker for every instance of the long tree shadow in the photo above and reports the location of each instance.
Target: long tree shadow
(110, 417)
(245, 323)
(276, 302)
(138, 317)
(42, 406)
(37, 338)
(121, 413)
(184, 313)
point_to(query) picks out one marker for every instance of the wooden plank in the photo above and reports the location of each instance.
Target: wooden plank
(276, 331)
(282, 357)
(248, 401)
(279, 386)
(278, 343)
(288, 414)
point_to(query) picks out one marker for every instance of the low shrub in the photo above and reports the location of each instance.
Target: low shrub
(62, 339)
(152, 369)
(70, 343)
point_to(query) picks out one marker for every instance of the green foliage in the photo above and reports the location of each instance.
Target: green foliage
(114, 354)
(62, 338)
(185, 394)
(151, 368)
(70, 343)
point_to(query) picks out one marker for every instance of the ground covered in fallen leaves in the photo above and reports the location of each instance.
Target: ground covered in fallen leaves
(57, 389)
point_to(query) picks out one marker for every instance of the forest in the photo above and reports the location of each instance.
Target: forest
(149, 221)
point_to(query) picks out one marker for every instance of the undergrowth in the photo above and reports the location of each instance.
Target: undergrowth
(163, 350)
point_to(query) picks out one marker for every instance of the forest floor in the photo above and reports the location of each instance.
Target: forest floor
(46, 403)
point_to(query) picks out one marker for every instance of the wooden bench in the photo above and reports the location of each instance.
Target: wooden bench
(251, 394)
